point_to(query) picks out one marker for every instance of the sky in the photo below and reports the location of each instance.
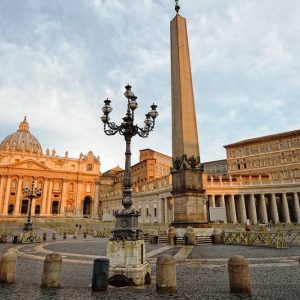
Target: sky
(59, 59)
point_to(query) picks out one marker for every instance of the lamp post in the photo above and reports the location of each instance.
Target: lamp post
(31, 194)
(127, 218)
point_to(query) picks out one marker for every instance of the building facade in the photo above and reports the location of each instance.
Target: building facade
(256, 196)
(277, 155)
(68, 184)
(76, 188)
(150, 178)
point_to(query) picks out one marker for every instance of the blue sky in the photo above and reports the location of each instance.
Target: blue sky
(61, 58)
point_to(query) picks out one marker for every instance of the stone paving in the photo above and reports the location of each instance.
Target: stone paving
(201, 271)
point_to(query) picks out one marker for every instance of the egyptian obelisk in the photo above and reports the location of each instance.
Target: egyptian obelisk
(189, 196)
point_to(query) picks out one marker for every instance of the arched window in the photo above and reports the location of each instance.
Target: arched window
(10, 210)
(71, 187)
(56, 186)
(28, 183)
(88, 187)
(14, 184)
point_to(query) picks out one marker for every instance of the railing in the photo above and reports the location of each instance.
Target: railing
(279, 239)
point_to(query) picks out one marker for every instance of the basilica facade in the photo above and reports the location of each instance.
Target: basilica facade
(67, 184)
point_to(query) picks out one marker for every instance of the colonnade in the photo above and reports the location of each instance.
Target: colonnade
(258, 208)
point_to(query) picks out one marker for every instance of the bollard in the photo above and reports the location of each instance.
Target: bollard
(8, 267)
(172, 239)
(65, 235)
(166, 274)
(44, 236)
(239, 275)
(100, 274)
(190, 237)
(217, 238)
(154, 236)
(84, 234)
(52, 271)
(4, 238)
(54, 236)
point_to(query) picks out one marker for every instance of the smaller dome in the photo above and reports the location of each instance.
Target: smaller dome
(21, 140)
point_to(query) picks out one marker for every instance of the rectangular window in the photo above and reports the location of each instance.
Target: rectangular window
(155, 212)
(147, 212)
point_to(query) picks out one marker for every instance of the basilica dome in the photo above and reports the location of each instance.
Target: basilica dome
(21, 140)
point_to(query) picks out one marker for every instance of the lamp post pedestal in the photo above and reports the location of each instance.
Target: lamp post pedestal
(127, 260)
(126, 252)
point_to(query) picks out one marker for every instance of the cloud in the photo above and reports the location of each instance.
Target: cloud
(60, 59)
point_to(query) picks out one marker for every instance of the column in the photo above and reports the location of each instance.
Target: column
(222, 201)
(243, 212)
(166, 210)
(63, 197)
(6, 197)
(232, 209)
(263, 209)
(18, 197)
(296, 207)
(78, 198)
(274, 210)
(49, 200)
(222, 204)
(33, 200)
(285, 207)
(253, 212)
(95, 213)
(212, 202)
(1, 192)
(44, 197)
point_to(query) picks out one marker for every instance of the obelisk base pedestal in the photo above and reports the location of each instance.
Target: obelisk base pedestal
(190, 209)
(127, 263)
(190, 201)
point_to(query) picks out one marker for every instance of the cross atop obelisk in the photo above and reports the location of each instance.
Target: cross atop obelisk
(187, 186)
(177, 7)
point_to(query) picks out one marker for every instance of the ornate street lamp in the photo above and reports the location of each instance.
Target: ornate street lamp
(127, 218)
(31, 194)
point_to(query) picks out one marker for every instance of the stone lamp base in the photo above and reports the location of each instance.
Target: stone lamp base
(127, 263)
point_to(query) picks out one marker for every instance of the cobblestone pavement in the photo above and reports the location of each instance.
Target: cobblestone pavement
(201, 275)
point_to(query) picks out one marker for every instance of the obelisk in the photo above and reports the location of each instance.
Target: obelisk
(189, 197)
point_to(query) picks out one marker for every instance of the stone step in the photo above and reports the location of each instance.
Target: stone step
(200, 240)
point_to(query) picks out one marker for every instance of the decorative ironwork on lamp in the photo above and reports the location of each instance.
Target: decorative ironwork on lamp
(31, 194)
(127, 218)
